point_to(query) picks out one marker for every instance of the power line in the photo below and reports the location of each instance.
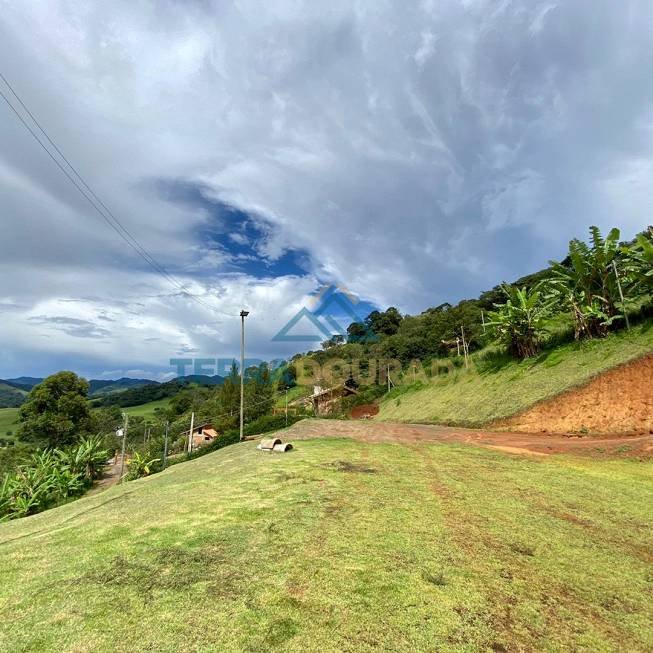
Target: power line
(92, 198)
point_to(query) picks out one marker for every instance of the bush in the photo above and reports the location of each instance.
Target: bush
(140, 466)
(49, 477)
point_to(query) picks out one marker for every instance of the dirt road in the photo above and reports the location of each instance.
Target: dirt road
(110, 477)
(518, 443)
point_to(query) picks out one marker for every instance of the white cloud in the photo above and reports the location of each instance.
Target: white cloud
(405, 150)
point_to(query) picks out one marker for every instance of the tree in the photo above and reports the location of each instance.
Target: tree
(56, 411)
(357, 332)
(587, 285)
(519, 322)
(333, 341)
(386, 323)
(259, 393)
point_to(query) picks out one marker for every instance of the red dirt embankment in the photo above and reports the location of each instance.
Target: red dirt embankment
(364, 411)
(618, 401)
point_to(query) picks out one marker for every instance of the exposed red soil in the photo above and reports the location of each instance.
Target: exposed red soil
(516, 443)
(618, 401)
(365, 411)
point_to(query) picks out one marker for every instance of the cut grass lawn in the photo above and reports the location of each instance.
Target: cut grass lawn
(147, 410)
(341, 546)
(8, 422)
(482, 394)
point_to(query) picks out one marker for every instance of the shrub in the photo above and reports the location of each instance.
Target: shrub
(140, 466)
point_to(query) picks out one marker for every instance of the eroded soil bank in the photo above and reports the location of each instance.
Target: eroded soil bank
(618, 401)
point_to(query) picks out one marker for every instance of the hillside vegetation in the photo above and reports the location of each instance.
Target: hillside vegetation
(10, 396)
(341, 545)
(8, 423)
(496, 387)
(147, 411)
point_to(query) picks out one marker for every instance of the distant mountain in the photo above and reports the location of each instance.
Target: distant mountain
(98, 388)
(200, 379)
(108, 392)
(143, 394)
(23, 382)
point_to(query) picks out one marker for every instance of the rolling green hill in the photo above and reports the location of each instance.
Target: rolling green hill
(10, 396)
(341, 545)
(147, 410)
(493, 389)
(8, 422)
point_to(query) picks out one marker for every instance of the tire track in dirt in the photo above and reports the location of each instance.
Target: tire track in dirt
(507, 442)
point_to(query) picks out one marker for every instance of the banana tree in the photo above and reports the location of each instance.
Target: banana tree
(640, 260)
(140, 466)
(519, 323)
(587, 285)
(87, 458)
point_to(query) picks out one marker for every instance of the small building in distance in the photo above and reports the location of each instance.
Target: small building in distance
(203, 434)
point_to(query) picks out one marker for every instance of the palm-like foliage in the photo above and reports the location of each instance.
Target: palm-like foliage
(140, 466)
(86, 459)
(49, 477)
(588, 286)
(519, 322)
(640, 262)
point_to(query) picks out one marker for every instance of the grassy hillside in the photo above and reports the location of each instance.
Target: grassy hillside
(8, 422)
(296, 392)
(341, 545)
(147, 410)
(493, 389)
(11, 397)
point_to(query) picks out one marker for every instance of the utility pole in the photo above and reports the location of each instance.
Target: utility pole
(165, 447)
(483, 320)
(243, 315)
(390, 383)
(621, 294)
(190, 433)
(465, 348)
(286, 406)
(124, 441)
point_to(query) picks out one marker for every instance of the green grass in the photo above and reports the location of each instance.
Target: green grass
(341, 546)
(476, 397)
(8, 422)
(147, 410)
(296, 392)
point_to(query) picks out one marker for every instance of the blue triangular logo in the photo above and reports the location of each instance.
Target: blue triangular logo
(285, 336)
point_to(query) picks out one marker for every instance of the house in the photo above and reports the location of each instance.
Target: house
(202, 434)
(324, 400)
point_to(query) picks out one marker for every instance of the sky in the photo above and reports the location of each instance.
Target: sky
(409, 153)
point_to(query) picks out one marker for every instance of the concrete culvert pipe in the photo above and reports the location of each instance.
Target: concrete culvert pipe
(268, 444)
(281, 448)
